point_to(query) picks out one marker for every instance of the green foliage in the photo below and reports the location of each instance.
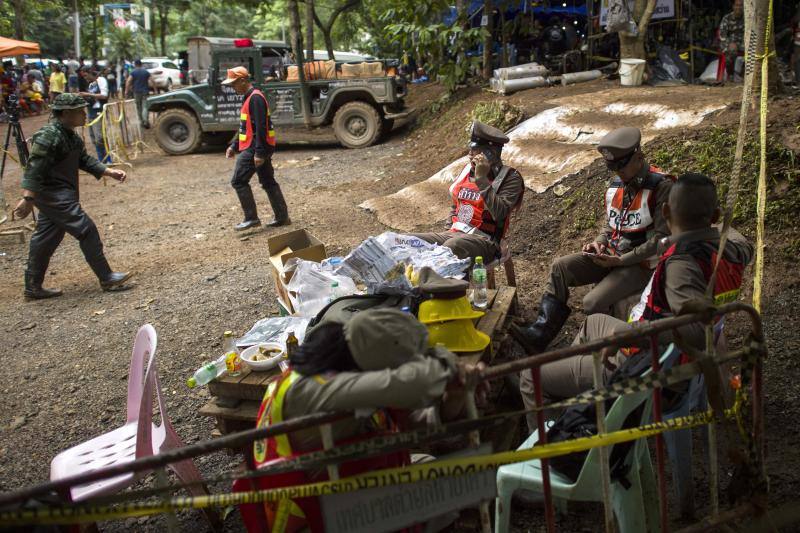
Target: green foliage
(498, 113)
(215, 18)
(582, 207)
(126, 44)
(713, 154)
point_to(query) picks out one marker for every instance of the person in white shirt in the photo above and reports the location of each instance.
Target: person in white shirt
(96, 95)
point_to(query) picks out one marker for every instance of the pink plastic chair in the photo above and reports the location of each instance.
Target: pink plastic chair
(139, 437)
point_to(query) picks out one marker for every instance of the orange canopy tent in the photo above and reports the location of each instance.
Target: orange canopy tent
(10, 47)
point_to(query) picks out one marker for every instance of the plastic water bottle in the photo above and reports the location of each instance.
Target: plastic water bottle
(479, 297)
(208, 372)
(233, 362)
(335, 292)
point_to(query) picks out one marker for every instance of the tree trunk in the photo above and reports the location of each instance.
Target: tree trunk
(310, 29)
(326, 34)
(296, 37)
(162, 19)
(632, 47)
(19, 20)
(487, 40)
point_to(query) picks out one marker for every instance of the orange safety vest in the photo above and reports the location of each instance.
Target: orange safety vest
(469, 209)
(288, 516)
(630, 223)
(245, 124)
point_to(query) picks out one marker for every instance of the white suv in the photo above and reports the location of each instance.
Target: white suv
(164, 72)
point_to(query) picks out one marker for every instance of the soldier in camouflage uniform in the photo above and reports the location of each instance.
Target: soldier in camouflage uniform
(50, 184)
(731, 39)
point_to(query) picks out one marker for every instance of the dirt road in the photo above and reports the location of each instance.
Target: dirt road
(65, 361)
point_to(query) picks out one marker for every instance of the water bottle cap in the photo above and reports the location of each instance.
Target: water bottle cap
(335, 284)
(228, 333)
(191, 382)
(479, 259)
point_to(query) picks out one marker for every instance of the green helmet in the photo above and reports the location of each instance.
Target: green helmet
(68, 101)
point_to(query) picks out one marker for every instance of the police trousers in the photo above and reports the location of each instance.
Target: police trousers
(58, 216)
(612, 284)
(463, 245)
(245, 168)
(573, 375)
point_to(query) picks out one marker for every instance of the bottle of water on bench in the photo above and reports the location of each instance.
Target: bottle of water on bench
(479, 297)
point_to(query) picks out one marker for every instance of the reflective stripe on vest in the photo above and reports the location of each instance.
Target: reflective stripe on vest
(469, 209)
(246, 131)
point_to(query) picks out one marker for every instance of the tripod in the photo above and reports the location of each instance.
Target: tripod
(15, 129)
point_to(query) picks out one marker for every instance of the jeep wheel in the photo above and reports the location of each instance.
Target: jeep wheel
(357, 125)
(177, 132)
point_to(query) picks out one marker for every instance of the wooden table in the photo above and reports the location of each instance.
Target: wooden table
(237, 399)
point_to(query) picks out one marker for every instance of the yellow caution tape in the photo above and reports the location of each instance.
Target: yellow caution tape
(761, 203)
(382, 478)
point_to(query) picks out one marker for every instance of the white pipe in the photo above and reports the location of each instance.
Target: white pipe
(512, 86)
(578, 77)
(523, 71)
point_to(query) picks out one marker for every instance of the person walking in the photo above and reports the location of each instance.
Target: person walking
(139, 83)
(50, 184)
(255, 144)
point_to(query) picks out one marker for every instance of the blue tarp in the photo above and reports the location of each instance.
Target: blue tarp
(475, 9)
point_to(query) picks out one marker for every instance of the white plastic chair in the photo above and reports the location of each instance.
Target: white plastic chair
(139, 437)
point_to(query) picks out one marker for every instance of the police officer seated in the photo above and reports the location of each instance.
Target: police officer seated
(620, 260)
(484, 196)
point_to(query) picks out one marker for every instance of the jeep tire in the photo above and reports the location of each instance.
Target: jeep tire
(177, 131)
(357, 125)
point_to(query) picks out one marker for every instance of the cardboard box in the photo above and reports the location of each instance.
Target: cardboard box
(299, 243)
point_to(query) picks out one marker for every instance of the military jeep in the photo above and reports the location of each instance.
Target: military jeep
(359, 110)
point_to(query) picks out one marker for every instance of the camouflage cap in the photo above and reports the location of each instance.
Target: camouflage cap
(384, 338)
(68, 101)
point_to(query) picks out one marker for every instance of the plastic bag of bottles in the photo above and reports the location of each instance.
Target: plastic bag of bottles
(314, 285)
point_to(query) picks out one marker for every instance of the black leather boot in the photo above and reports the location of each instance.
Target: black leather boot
(279, 207)
(249, 209)
(116, 281)
(537, 336)
(34, 289)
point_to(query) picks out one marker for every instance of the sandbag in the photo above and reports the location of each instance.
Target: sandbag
(292, 73)
(329, 69)
(350, 70)
(372, 69)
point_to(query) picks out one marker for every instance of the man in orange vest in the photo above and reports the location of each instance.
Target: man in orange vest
(484, 194)
(255, 144)
(620, 260)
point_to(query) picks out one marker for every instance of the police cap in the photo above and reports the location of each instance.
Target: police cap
(68, 101)
(483, 135)
(620, 143)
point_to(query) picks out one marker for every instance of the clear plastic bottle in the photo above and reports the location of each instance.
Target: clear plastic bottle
(479, 297)
(335, 292)
(232, 360)
(208, 372)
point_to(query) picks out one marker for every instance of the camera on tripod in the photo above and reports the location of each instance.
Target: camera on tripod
(12, 108)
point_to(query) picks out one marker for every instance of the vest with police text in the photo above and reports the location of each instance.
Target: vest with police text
(246, 131)
(631, 221)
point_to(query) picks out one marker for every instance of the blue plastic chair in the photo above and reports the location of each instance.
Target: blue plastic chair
(635, 508)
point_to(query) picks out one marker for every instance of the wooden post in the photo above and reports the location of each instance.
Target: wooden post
(297, 47)
(487, 40)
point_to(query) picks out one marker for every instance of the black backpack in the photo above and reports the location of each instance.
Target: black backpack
(581, 421)
(342, 309)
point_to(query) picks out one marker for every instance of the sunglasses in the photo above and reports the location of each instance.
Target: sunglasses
(618, 164)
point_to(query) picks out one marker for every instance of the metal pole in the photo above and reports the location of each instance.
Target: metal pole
(549, 514)
(657, 416)
(76, 16)
(713, 460)
(326, 432)
(475, 440)
(605, 472)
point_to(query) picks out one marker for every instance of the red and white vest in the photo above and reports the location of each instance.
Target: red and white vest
(631, 222)
(469, 209)
(246, 132)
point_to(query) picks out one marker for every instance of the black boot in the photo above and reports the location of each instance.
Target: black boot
(535, 337)
(249, 208)
(115, 281)
(34, 289)
(279, 208)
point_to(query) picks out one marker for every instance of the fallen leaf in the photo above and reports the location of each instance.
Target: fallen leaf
(98, 313)
(29, 326)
